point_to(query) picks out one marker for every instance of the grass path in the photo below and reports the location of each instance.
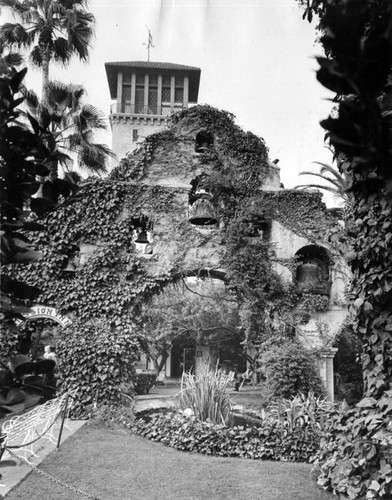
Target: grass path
(111, 465)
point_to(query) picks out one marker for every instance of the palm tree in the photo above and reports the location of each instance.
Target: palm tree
(72, 122)
(338, 184)
(54, 30)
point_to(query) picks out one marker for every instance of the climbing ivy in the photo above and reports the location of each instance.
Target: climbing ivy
(357, 39)
(103, 297)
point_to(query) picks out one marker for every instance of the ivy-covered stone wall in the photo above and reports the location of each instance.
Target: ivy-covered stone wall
(97, 228)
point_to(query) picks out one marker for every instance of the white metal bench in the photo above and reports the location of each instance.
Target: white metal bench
(21, 432)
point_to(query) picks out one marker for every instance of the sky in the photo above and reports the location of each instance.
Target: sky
(257, 60)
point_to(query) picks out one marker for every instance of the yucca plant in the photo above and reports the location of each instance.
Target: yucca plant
(206, 394)
(302, 410)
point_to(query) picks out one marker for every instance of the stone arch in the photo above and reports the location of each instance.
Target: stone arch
(189, 354)
(313, 271)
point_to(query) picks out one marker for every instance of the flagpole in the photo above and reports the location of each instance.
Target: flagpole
(149, 44)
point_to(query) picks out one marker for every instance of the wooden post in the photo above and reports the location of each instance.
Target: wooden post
(62, 421)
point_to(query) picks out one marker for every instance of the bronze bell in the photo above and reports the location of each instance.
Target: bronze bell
(142, 238)
(70, 267)
(202, 213)
(202, 148)
(308, 275)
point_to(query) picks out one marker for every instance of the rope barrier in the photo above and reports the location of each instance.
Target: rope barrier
(53, 479)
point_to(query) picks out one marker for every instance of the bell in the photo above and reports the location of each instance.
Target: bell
(258, 230)
(308, 276)
(202, 148)
(202, 213)
(142, 238)
(70, 267)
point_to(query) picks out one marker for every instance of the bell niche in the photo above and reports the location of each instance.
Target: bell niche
(313, 269)
(202, 211)
(142, 236)
(204, 141)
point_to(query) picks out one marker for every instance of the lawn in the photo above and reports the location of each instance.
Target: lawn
(112, 464)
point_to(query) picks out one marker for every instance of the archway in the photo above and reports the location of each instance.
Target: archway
(30, 341)
(193, 320)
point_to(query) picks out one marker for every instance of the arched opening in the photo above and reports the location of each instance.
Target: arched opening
(192, 321)
(202, 210)
(313, 270)
(257, 228)
(43, 326)
(72, 262)
(142, 235)
(204, 141)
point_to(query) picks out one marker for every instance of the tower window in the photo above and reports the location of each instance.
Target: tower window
(153, 94)
(135, 134)
(166, 94)
(139, 94)
(179, 91)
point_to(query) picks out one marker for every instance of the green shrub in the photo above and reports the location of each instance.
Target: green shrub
(290, 369)
(96, 361)
(205, 393)
(355, 454)
(142, 382)
(269, 442)
(112, 415)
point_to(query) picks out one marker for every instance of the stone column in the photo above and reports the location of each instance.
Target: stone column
(172, 91)
(186, 91)
(326, 370)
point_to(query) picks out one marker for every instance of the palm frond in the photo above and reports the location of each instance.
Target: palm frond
(332, 181)
(14, 34)
(332, 170)
(61, 51)
(19, 7)
(64, 97)
(14, 59)
(80, 28)
(31, 100)
(94, 157)
(318, 186)
(93, 117)
(35, 57)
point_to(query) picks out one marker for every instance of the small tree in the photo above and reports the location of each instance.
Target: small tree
(290, 370)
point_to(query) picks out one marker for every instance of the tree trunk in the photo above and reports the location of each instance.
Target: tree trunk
(45, 71)
(159, 365)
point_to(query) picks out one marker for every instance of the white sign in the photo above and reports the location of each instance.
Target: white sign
(47, 312)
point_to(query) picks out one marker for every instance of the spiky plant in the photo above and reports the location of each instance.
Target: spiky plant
(206, 394)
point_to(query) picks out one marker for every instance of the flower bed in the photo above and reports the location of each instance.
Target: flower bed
(272, 441)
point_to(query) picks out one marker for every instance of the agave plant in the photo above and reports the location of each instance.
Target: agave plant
(206, 394)
(309, 410)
